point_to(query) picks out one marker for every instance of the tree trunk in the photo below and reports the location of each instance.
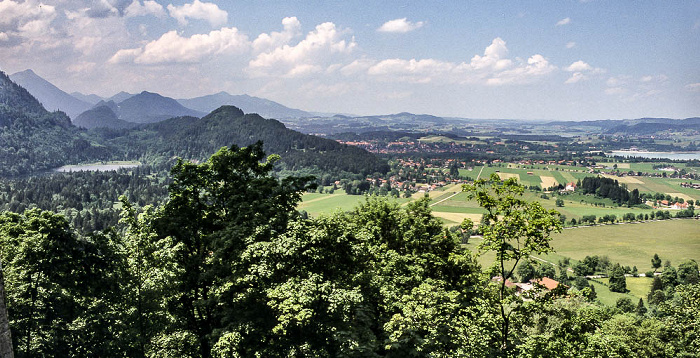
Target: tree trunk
(5, 334)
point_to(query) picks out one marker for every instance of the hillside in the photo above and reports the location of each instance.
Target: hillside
(33, 139)
(101, 116)
(190, 138)
(52, 97)
(249, 104)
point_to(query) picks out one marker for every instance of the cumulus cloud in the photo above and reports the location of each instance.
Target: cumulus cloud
(564, 21)
(198, 10)
(400, 26)
(291, 29)
(316, 49)
(28, 19)
(173, 48)
(579, 68)
(570, 44)
(493, 56)
(148, 7)
(493, 68)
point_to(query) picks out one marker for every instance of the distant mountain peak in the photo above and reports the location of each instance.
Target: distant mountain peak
(248, 104)
(52, 97)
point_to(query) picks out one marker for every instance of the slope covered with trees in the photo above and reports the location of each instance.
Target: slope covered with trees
(33, 139)
(192, 138)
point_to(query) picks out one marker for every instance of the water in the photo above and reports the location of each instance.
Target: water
(94, 167)
(664, 155)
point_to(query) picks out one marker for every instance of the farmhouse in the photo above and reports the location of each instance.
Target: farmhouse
(570, 186)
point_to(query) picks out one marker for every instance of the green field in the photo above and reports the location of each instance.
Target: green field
(316, 204)
(631, 244)
(542, 175)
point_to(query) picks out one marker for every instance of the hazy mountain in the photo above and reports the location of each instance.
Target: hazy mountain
(248, 104)
(101, 116)
(148, 107)
(89, 98)
(52, 97)
(119, 97)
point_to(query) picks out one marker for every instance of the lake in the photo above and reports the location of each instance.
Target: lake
(95, 167)
(665, 155)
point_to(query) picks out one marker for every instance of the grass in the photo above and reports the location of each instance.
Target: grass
(631, 244)
(316, 204)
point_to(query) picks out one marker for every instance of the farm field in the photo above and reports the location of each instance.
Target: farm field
(631, 244)
(546, 176)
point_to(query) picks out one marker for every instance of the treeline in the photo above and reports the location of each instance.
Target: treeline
(228, 268)
(88, 200)
(609, 188)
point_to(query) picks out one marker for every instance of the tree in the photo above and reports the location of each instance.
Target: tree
(656, 262)
(617, 281)
(526, 271)
(214, 210)
(546, 270)
(513, 229)
(559, 202)
(641, 310)
(688, 272)
(625, 305)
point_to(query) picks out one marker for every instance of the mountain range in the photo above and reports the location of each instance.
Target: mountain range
(145, 107)
(33, 139)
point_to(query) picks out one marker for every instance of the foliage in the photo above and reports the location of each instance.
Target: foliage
(513, 229)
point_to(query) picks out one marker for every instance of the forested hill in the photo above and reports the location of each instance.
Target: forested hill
(33, 139)
(191, 138)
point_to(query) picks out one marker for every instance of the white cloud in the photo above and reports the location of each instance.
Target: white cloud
(400, 26)
(265, 42)
(173, 48)
(4, 36)
(491, 69)
(148, 7)
(536, 67)
(564, 21)
(357, 66)
(570, 44)
(125, 55)
(693, 87)
(316, 49)
(579, 66)
(493, 56)
(199, 11)
(28, 19)
(576, 77)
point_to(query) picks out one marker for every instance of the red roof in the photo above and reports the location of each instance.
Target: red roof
(546, 282)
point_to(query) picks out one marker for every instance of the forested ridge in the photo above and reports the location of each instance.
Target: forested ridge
(227, 267)
(33, 140)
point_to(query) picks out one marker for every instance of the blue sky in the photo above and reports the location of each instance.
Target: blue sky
(567, 60)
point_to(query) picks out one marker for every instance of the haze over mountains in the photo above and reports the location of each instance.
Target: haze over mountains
(146, 107)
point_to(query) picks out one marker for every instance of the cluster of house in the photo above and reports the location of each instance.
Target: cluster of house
(544, 284)
(691, 185)
(665, 204)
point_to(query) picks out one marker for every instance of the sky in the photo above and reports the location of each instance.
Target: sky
(552, 60)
